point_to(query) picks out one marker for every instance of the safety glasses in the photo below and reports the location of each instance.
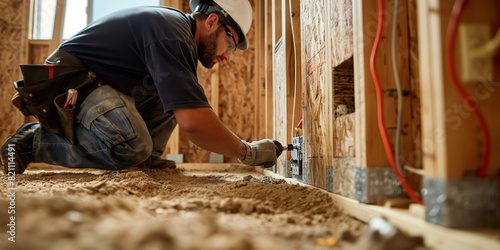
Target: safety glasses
(231, 46)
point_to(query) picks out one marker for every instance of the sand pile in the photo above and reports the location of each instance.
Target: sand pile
(170, 209)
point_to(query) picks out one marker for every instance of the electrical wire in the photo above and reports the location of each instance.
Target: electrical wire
(398, 88)
(489, 48)
(451, 36)
(415, 170)
(294, 67)
(380, 105)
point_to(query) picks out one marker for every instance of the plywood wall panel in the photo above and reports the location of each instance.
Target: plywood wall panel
(317, 118)
(313, 27)
(317, 91)
(340, 22)
(344, 136)
(13, 33)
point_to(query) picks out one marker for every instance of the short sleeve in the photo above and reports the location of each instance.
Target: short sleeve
(172, 65)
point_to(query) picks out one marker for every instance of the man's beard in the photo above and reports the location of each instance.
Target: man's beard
(207, 49)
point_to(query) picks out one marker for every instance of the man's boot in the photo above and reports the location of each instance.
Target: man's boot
(158, 163)
(17, 151)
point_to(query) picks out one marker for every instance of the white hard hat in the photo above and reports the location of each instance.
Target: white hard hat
(238, 14)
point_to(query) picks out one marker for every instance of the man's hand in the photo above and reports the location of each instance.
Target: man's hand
(261, 153)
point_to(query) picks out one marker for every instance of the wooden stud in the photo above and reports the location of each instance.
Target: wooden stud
(296, 67)
(369, 147)
(451, 139)
(280, 105)
(269, 51)
(260, 58)
(413, 158)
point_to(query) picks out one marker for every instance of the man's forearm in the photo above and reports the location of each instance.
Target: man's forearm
(205, 129)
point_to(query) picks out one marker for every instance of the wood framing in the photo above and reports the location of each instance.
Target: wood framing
(286, 75)
(451, 139)
(340, 21)
(268, 54)
(369, 148)
(295, 68)
(260, 59)
(414, 157)
(280, 96)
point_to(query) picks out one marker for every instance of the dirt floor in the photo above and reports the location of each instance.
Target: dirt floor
(237, 208)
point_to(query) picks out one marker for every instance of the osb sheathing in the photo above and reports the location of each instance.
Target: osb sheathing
(236, 97)
(327, 42)
(344, 136)
(318, 113)
(340, 19)
(13, 27)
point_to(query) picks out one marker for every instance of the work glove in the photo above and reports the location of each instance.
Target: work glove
(262, 153)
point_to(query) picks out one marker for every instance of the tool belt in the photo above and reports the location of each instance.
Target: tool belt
(43, 91)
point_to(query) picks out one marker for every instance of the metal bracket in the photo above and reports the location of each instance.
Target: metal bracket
(372, 183)
(464, 203)
(329, 178)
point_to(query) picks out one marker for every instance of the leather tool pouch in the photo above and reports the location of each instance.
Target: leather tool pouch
(43, 91)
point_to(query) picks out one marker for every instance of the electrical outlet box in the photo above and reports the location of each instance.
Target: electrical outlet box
(474, 69)
(296, 159)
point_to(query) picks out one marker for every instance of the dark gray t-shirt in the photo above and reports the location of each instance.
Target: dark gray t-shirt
(144, 51)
